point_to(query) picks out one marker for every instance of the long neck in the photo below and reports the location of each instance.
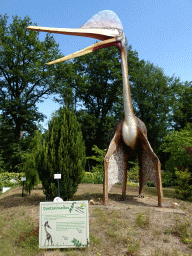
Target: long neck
(45, 229)
(128, 108)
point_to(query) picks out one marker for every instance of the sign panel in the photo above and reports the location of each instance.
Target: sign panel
(64, 224)
(23, 178)
(57, 176)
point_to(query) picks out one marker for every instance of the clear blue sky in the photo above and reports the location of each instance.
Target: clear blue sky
(159, 30)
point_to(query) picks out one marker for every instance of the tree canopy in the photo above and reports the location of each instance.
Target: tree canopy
(175, 145)
(25, 79)
(91, 82)
(182, 113)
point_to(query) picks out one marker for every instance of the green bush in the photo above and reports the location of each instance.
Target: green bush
(176, 144)
(88, 177)
(150, 184)
(99, 157)
(133, 171)
(30, 162)
(63, 152)
(5, 178)
(183, 188)
(133, 184)
(167, 179)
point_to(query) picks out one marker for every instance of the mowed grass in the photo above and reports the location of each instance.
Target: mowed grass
(132, 227)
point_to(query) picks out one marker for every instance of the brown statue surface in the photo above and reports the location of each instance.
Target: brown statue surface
(130, 138)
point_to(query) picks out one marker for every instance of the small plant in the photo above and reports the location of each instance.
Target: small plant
(133, 246)
(95, 239)
(182, 230)
(166, 240)
(168, 231)
(111, 233)
(142, 220)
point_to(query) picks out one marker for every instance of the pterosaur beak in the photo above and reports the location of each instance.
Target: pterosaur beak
(107, 36)
(86, 50)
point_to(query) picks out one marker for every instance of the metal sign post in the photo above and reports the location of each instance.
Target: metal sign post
(57, 177)
(23, 179)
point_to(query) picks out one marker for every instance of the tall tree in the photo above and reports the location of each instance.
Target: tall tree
(24, 76)
(182, 113)
(100, 85)
(152, 99)
(63, 152)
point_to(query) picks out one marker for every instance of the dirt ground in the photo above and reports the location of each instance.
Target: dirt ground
(153, 237)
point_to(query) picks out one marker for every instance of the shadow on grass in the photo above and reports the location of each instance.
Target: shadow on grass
(15, 200)
(113, 198)
(90, 191)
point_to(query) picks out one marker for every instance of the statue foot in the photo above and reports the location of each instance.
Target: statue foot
(121, 198)
(140, 196)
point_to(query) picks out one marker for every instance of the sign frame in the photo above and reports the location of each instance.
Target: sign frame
(64, 224)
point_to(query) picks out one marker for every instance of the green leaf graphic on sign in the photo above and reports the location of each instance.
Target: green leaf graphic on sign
(72, 206)
(76, 242)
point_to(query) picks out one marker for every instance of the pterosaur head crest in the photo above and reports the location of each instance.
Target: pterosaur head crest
(104, 19)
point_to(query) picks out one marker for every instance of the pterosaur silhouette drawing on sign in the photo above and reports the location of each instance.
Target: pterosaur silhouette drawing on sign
(48, 235)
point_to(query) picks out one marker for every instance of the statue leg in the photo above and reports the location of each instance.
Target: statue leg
(141, 195)
(159, 183)
(151, 167)
(111, 150)
(123, 196)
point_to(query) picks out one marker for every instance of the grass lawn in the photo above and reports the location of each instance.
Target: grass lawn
(135, 226)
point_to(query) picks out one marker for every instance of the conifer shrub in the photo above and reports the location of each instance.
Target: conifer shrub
(30, 163)
(63, 152)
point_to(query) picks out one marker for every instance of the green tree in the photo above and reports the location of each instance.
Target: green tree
(94, 81)
(182, 113)
(152, 97)
(65, 75)
(100, 83)
(63, 152)
(174, 144)
(24, 78)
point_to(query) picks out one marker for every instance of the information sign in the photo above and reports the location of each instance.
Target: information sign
(57, 176)
(23, 178)
(64, 224)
